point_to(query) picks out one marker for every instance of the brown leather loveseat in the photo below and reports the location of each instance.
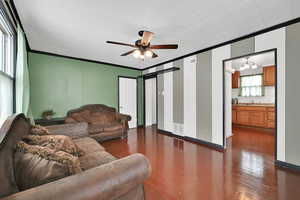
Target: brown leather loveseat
(104, 122)
(105, 177)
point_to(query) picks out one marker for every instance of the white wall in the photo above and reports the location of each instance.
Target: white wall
(218, 55)
(267, 41)
(189, 76)
(154, 101)
(168, 99)
(270, 40)
(228, 98)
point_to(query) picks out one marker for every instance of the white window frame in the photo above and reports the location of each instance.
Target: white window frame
(7, 65)
(260, 85)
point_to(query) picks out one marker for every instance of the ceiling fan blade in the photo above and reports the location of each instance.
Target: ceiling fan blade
(127, 53)
(154, 55)
(164, 46)
(147, 36)
(120, 43)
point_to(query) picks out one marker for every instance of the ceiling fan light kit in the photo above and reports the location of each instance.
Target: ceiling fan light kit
(143, 46)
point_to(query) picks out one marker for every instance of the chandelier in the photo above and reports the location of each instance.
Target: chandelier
(247, 65)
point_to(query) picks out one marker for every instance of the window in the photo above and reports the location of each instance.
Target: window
(7, 66)
(251, 86)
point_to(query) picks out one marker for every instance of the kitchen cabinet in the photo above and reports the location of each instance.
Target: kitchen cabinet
(271, 118)
(234, 117)
(257, 116)
(235, 79)
(243, 117)
(269, 76)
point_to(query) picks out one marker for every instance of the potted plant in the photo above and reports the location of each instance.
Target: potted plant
(48, 114)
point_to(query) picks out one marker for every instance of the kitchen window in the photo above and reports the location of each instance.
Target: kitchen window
(251, 86)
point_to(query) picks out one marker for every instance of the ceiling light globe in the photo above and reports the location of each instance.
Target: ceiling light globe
(246, 66)
(149, 53)
(142, 56)
(137, 53)
(254, 66)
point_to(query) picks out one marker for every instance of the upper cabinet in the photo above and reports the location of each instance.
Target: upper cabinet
(235, 79)
(269, 76)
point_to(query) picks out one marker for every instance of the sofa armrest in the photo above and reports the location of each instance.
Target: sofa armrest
(124, 121)
(106, 182)
(74, 130)
(70, 120)
(123, 117)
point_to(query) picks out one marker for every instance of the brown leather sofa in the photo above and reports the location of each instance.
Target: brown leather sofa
(104, 122)
(107, 179)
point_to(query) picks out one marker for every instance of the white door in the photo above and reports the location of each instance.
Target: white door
(128, 99)
(150, 95)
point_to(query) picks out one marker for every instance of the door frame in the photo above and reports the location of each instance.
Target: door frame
(276, 105)
(144, 99)
(137, 96)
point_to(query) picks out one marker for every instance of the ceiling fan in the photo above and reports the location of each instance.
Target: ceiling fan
(143, 48)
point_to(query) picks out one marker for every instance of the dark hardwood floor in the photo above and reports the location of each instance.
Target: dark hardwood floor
(184, 170)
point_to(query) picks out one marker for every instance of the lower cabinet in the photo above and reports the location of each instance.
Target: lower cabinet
(258, 116)
(243, 117)
(234, 117)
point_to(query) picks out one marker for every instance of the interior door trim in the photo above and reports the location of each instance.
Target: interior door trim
(137, 96)
(274, 50)
(144, 99)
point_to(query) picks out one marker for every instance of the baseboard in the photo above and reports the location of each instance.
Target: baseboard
(195, 140)
(205, 143)
(286, 165)
(170, 134)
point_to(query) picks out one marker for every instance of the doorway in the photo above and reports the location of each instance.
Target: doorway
(127, 101)
(250, 100)
(151, 101)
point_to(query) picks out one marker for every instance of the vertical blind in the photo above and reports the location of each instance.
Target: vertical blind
(7, 66)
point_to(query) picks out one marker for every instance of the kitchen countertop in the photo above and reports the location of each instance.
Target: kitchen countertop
(255, 104)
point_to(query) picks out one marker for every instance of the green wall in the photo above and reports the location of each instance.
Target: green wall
(62, 84)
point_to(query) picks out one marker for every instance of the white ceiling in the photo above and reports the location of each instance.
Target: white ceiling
(80, 28)
(262, 60)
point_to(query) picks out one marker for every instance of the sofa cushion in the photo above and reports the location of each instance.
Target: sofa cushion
(113, 127)
(107, 135)
(95, 128)
(88, 145)
(102, 118)
(55, 142)
(73, 130)
(36, 165)
(94, 159)
(39, 130)
(82, 116)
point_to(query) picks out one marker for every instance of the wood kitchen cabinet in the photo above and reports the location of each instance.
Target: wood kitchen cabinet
(235, 79)
(243, 117)
(271, 118)
(269, 76)
(258, 116)
(234, 117)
